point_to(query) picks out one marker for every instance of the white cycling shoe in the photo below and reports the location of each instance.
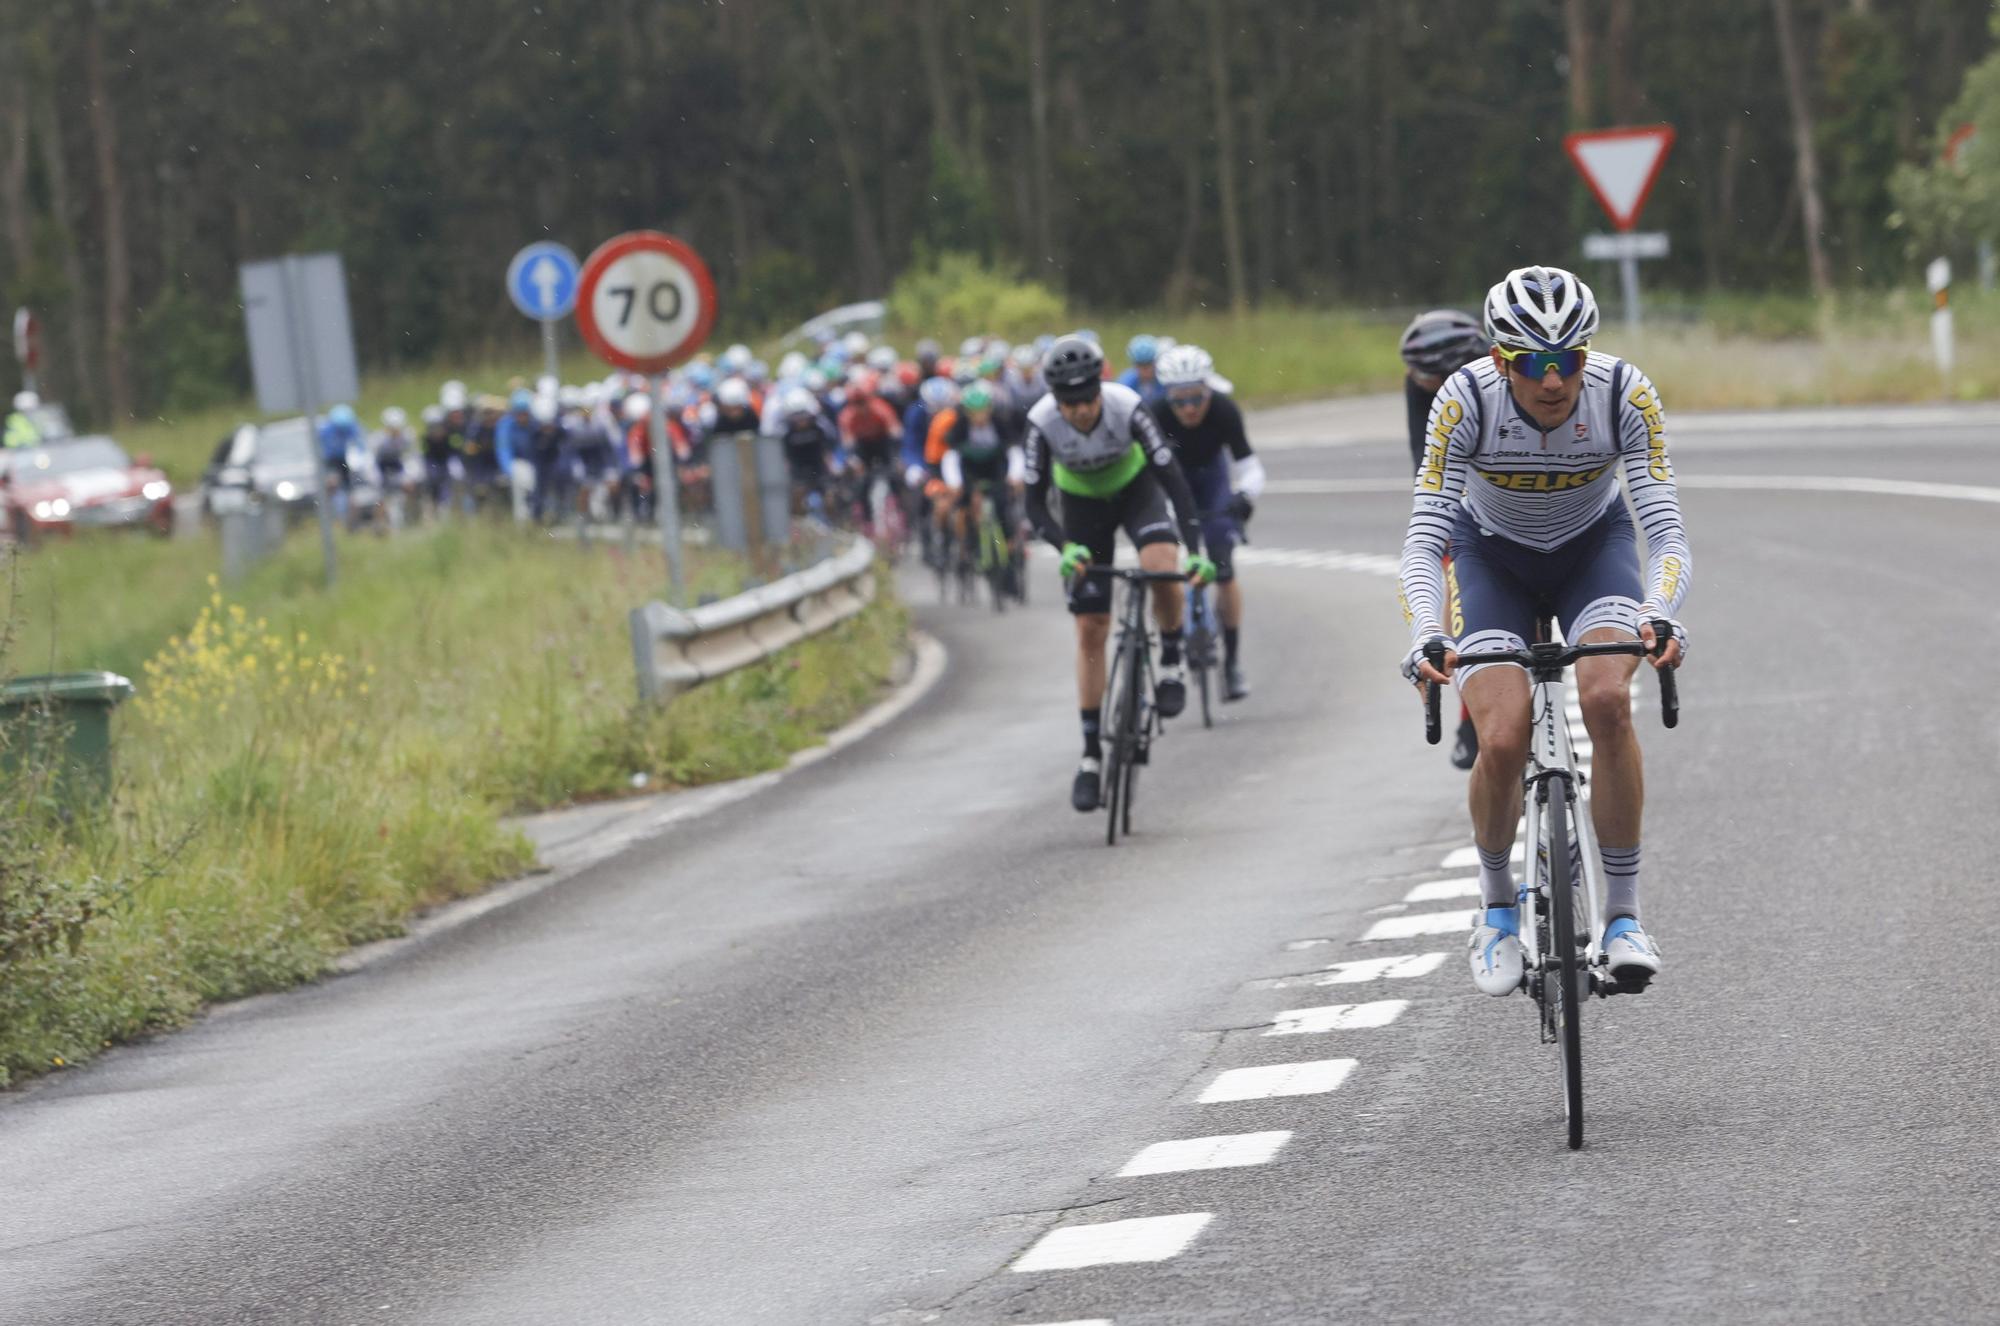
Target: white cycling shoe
(1630, 954)
(1495, 951)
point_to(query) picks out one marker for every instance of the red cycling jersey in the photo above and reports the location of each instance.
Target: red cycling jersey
(870, 420)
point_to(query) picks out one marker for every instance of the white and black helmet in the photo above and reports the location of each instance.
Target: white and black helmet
(1184, 366)
(1540, 308)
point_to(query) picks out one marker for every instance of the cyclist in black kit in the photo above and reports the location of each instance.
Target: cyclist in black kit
(1225, 477)
(1436, 345)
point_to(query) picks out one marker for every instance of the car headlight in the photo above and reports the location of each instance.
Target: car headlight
(156, 490)
(44, 510)
(287, 490)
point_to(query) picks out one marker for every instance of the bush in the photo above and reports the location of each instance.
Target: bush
(956, 294)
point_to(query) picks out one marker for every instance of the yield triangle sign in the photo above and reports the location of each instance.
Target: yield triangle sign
(1620, 166)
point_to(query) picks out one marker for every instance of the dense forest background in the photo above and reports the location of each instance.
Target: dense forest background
(1149, 153)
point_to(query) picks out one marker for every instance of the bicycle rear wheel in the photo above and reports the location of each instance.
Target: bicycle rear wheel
(1568, 970)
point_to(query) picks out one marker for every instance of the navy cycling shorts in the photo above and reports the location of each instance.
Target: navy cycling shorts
(1219, 531)
(1498, 587)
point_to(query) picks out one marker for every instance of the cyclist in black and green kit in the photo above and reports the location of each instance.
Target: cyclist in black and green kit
(1113, 469)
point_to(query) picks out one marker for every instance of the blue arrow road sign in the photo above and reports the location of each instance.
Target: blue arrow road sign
(542, 281)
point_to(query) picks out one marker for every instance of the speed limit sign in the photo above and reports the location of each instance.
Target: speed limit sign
(645, 301)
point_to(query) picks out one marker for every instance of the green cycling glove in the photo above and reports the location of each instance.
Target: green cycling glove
(1075, 556)
(1200, 569)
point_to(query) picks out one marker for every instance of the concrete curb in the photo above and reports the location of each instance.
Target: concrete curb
(572, 840)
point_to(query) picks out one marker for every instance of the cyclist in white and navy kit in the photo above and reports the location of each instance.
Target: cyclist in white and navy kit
(1520, 481)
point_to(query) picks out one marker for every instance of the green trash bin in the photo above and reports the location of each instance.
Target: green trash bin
(65, 717)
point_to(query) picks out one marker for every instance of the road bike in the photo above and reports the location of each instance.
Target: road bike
(1562, 917)
(1133, 721)
(1001, 562)
(1202, 638)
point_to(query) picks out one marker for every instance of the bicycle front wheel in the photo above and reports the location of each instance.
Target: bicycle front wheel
(1568, 970)
(1111, 777)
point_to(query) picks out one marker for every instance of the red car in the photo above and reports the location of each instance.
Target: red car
(82, 483)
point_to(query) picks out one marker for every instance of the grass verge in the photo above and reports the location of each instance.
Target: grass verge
(303, 768)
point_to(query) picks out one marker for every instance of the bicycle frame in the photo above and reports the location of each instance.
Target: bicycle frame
(1552, 771)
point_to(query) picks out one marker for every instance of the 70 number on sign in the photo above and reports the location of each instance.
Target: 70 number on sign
(647, 302)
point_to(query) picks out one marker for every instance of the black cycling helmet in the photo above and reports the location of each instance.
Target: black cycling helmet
(1074, 369)
(1442, 341)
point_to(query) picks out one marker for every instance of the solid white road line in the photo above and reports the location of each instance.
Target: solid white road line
(1087, 1321)
(1143, 1239)
(1306, 1079)
(1443, 890)
(1424, 923)
(1226, 1152)
(1337, 1017)
(1460, 858)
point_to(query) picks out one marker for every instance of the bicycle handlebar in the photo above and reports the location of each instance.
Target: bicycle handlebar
(1559, 656)
(1144, 577)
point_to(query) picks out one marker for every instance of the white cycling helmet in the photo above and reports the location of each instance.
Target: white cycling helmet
(543, 409)
(638, 407)
(855, 343)
(792, 366)
(800, 401)
(26, 400)
(734, 393)
(882, 359)
(1540, 308)
(452, 395)
(1184, 366)
(394, 418)
(735, 359)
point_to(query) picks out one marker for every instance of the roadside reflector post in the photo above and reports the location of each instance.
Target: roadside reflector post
(1938, 277)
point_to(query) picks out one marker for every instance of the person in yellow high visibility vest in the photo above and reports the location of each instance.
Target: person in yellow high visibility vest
(21, 430)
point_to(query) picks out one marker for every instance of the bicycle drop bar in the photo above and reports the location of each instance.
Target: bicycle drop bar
(1144, 577)
(1552, 658)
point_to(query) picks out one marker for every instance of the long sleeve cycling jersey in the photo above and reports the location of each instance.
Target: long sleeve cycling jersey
(1099, 463)
(1543, 487)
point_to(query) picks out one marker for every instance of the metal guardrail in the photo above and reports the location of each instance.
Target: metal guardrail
(673, 649)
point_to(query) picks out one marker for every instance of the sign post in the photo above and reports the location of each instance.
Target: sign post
(645, 301)
(541, 280)
(1620, 166)
(302, 350)
(28, 348)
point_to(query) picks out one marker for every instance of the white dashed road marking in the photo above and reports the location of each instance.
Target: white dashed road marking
(1306, 1079)
(1443, 890)
(1468, 855)
(1337, 1017)
(1144, 1239)
(1353, 973)
(1424, 923)
(1226, 1152)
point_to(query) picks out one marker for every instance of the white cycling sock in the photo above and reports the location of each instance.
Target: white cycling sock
(1496, 877)
(1621, 881)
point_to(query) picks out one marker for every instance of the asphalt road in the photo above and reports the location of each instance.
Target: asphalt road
(890, 1041)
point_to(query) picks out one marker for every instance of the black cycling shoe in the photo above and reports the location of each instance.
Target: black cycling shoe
(1083, 792)
(1170, 691)
(1233, 685)
(1465, 750)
